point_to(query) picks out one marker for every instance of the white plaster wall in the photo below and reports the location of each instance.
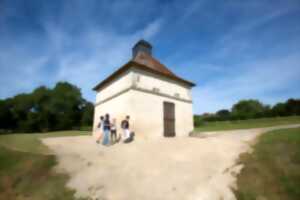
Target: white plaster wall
(167, 86)
(121, 83)
(147, 116)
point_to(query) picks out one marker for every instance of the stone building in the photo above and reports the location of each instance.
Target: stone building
(158, 102)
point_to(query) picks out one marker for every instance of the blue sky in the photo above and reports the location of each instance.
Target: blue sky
(232, 50)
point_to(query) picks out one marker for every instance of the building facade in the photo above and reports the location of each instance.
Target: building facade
(158, 102)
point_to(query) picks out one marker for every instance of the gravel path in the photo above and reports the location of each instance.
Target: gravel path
(166, 169)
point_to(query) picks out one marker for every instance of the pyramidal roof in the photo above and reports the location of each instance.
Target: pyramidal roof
(147, 60)
(143, 59)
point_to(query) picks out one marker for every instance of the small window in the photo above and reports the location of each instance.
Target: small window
(138, 77)
(156, 90)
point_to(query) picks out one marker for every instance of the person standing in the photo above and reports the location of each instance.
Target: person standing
(113, 131)
(99, 130)
(125, 127)
(106, 130)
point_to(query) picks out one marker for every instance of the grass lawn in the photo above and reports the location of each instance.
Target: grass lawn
(26, 168)
(272, 171)
(246, 124)
(31, 142)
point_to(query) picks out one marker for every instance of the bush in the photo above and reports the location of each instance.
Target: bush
(198, 120)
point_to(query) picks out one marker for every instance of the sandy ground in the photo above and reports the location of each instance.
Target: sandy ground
(164, 169)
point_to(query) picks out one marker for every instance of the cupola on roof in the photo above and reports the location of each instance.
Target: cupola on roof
(142, 46)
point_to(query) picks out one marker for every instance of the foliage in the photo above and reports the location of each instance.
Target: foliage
(251, 109)
(45, 109)
(87, 115)
(248, 109)
(223, 114)
(272, 170)
(198, 120)
(246, 124)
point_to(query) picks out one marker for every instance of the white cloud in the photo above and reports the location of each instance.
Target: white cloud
(255, 22)
(239, 38)
(20, 72)
(152, 29)
(256, 80)
(106, 52)
(84, 59)
(87, 55)
(191, 9)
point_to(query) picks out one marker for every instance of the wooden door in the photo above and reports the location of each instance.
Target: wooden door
(169, 119)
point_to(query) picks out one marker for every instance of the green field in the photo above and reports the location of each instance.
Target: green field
(272, 171)
(246, 124)
(31, 142)
(26, 168)
(26, 165)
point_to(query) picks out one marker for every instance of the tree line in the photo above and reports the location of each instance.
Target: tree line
(46, 109)
(63, 108)
(251, 109)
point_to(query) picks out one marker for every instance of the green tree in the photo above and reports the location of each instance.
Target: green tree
(293, 107)
(21, 106)
(42, 98)
(46, 109)
(279, 110)
(247, 109)
(6, 117)
(87, 114)
(66, 104)
(223, 114)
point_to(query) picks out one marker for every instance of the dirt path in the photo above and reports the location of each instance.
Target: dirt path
(167, 169)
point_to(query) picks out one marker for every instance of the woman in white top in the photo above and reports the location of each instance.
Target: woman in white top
(113, 131)
(99, 129)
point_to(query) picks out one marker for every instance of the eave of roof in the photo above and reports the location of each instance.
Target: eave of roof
(134, 64)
